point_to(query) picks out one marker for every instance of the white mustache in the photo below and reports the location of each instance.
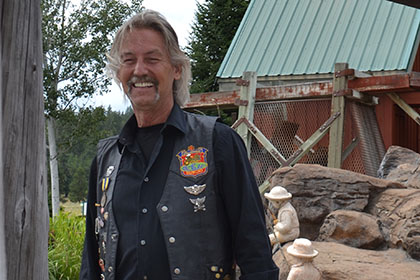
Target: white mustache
(143, 79)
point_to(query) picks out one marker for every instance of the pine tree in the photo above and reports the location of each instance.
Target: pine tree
(214, 27)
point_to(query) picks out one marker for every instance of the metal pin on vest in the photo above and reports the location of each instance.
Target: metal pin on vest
(198, 204)
(195, 189)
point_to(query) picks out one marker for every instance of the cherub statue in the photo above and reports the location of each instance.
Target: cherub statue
(286, 226)
(304, 253)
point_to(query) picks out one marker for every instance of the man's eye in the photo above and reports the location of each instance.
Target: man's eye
(128, 60)
(153, 60)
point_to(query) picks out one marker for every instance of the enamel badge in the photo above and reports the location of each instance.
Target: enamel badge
(193, 162)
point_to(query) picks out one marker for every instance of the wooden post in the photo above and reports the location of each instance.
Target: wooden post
(3, 264)
(335, 147)
(246, 104)
(24, 204)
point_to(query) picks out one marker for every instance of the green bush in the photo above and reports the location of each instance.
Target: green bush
(65, 245)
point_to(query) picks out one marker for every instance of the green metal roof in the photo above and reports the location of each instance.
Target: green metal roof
(296, 37)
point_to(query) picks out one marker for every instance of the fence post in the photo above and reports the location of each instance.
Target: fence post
(335, 147)
(246, 104)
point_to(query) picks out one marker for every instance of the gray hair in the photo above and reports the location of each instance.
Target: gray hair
(155, 21)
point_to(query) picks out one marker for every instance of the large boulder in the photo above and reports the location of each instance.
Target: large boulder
(352, 228)
(401, 165)
(399, 212)
(337, 262)
(319, 190)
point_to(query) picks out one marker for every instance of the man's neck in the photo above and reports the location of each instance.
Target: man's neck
(147, 118)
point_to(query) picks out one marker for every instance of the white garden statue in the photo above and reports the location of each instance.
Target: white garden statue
(304, 269)
(286, 226)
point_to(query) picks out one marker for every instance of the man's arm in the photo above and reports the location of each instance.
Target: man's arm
(244, 208)
(90, 268)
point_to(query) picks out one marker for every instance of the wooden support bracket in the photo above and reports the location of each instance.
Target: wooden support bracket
(344, 73)
(262, 139)
(312, 141)
(403, 105)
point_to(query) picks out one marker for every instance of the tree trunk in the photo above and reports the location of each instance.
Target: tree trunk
(24, 203)
(52, 147)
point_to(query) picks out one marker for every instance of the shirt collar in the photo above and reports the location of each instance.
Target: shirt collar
(176, 119)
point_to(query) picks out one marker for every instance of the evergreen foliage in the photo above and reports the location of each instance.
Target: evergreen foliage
(215, 25)
(78, 146)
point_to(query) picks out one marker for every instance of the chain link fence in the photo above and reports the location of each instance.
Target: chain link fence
(287, 124)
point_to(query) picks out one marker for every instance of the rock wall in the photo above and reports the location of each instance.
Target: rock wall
(317, 191)
(345, 211)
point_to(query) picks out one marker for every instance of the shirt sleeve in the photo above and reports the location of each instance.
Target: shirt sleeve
(90, 268)
(242, 200)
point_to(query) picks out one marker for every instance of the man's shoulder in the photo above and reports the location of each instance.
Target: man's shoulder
(106, 143)
(110, 139)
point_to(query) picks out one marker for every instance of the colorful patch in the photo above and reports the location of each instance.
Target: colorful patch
(193, 162)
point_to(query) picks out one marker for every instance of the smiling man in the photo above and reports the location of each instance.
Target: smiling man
(173, 195)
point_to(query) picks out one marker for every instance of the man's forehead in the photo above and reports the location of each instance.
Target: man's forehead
(130, 43)
(133, 52)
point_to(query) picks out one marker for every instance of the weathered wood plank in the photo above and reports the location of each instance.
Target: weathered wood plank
(25, 204)
(3, 264)
(335, 147)
(228, 98)
(381, 84)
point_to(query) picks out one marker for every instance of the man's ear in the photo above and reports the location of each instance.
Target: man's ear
(178, 72)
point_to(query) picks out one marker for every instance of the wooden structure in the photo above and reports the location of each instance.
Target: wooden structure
(406, 86)
(24, 203)
(348, 84)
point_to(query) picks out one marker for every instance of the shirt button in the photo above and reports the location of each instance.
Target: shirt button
(146, 179)
(143, 242)
(171, 239)
(177, 271)
(144, 210)
(164, 208)
(145, 277)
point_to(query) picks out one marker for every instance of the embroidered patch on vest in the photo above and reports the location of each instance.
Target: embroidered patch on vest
(193, 162)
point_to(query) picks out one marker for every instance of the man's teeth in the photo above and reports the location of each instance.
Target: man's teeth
(137, 85)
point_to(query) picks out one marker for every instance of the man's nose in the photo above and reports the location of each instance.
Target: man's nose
(140, 69)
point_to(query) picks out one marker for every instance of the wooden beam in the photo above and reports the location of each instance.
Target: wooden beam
(228, 98)
(381, 84)
(212, 99)
(312, 141)
(415, 79)
(375, 85)
(335, 147)
(262, 139)
(246, 105)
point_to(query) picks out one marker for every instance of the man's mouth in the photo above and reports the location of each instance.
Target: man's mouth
(141, 82)
(143, 85)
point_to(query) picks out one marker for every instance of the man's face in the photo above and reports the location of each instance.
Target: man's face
(146, 72)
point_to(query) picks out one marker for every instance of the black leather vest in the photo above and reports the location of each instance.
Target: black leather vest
(191, 211)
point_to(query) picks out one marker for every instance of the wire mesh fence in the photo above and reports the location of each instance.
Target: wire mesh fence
(287, 124)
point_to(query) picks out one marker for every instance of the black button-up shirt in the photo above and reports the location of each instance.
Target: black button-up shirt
(141, 252)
